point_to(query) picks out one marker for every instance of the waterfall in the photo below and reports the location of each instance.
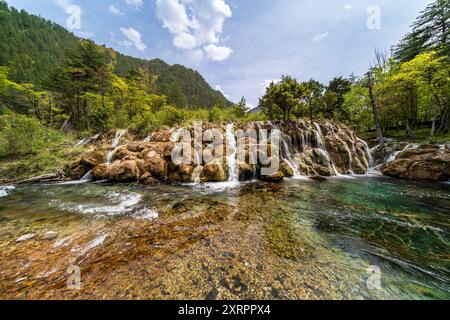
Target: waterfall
(197, 170)
(319, 136)
(367, 152)
(290, 162)
(231, 159)
(115, 144)
(196, 174)
(394, 155)
(87, 176)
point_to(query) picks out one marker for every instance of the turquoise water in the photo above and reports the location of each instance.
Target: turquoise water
(295, 240)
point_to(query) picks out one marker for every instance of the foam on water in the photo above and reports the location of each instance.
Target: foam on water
(118, 204)
(6, 190)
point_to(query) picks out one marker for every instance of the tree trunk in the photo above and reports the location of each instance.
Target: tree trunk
(373, 102)
(433, 125)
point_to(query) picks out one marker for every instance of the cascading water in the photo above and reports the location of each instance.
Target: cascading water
(233, 175)
(197, 170)
(394, 155)
(290, 162)
(115, 144)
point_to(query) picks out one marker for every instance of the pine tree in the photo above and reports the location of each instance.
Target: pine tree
(430, 32)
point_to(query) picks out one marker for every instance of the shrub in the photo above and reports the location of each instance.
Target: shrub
(20, 135)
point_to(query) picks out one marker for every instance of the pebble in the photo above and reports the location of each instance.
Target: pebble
(26, 237)
(51, 235)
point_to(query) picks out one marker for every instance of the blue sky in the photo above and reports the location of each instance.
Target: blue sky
(241, 45)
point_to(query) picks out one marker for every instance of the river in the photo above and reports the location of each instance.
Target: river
(366, 237)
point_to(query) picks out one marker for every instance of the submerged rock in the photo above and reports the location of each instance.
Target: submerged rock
(51, 235)
(318, 178)
(276, 177)
(26, 237)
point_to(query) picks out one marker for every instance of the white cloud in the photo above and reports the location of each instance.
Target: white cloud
(196, 24)
(134, 37)
(73, 22)
(320, 37)
(115, 11)
(348, 7)
(136, 4)
(216, 53)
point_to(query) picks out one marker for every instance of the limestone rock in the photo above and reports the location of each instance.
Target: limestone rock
(125, 171)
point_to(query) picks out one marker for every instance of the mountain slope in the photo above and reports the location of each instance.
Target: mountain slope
(33, 48)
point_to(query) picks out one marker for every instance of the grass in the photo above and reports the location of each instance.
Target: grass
(47, 160)
(420, 136)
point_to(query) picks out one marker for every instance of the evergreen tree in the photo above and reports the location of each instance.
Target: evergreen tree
(430, 32)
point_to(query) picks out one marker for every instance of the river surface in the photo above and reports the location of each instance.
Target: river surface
(368, 237)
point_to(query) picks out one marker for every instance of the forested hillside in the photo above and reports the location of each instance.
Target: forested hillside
(33, 48)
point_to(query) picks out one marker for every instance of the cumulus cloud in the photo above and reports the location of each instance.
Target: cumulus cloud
(136, 4)
(115, 11)
(133, 37)
(216, 53)
(320, 37)
(196, 24)
(348, 7)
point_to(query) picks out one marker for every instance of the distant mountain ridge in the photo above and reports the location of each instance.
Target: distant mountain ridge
(33, 47)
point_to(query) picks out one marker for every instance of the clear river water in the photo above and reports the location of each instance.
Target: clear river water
(366, 237)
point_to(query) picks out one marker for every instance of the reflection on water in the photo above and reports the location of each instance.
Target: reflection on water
(295, 240)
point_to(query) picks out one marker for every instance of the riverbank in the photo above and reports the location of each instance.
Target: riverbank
(52, 158)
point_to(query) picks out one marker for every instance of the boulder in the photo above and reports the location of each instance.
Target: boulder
(286, 169)
(185, 172)
(213, 172)
(156, 165)
(246, 171)
(124, 171)
(101, 172)
(76, 171)
(93, 158)
(276, 177)
(148, 180)
(420, 164)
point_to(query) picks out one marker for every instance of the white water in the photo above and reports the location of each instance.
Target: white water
(231, 159)
(118, 204)
(394, 155)
(367, 151)
(86, 141)
(291, 163)
(87, 176)
(5, 190)
(115, 144)
(196, 174)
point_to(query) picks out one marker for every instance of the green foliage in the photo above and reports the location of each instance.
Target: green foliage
(430, 32)
(281, 98)
(408, 95)
(20, 135)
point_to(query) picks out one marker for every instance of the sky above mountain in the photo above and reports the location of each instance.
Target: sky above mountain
(240, 46)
